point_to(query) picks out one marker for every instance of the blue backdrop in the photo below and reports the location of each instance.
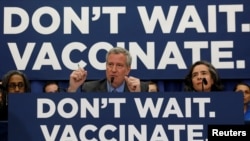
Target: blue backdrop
(48, 39)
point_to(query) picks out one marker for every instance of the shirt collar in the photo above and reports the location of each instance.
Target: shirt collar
(118, 89)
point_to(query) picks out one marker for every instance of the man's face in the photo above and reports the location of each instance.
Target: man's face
(116, 67)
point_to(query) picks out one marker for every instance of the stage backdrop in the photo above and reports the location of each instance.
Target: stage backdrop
(48, 39)
(121, 117)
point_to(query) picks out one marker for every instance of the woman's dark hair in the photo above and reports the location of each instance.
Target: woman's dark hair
(217, 86)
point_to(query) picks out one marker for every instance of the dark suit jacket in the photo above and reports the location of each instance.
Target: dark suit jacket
(101, 86)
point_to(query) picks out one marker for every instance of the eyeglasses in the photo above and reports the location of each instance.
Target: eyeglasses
(14, 85)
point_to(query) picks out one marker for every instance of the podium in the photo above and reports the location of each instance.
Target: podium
(121, 116)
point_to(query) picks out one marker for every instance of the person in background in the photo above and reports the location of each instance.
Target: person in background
(118, 66)
(152, 86)
(14, 81)
(51, 87)
(202, 77)
(245, 89)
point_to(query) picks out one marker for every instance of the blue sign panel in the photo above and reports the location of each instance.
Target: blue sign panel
(48, 39)
(121, 117)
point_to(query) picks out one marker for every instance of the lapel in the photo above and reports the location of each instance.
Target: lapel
(102, 86)
(126, 88)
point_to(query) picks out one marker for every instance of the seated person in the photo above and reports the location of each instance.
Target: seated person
(152, 86)
(202, 77)
(245, 89)
(14, 81)
(118, 66)
(51, 87)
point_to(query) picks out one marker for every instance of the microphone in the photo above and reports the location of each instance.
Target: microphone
(204, 81)
(112, 80)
